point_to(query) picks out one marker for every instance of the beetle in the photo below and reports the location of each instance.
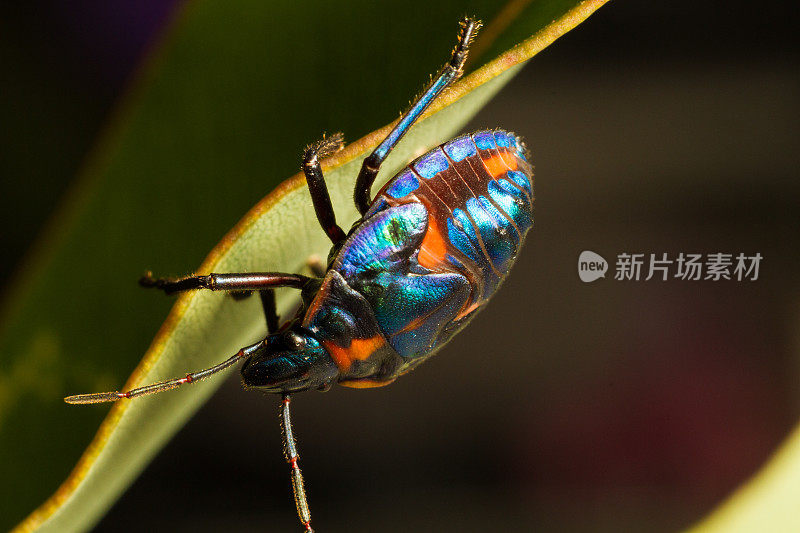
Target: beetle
(428, 252)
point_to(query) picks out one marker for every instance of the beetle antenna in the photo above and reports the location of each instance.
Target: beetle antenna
(292, 457)
(161, 386)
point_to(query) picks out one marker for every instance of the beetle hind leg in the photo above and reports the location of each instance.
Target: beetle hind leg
(451, 71)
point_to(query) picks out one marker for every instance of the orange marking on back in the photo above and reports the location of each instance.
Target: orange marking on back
(339, 355)
(468, 310)
(433, 249)
(359, 350)
(414, 324)
(497, 166)
(364, 383)
(508, 158)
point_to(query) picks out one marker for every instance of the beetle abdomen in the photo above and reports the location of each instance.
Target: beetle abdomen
(435, 244)
(478, 194)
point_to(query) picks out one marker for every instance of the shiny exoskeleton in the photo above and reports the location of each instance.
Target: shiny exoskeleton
(429, 251)
(435, 244)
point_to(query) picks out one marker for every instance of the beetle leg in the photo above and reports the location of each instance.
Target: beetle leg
(317, 187)
(292, 457)
(450, 73)
(316, 266)
(247, 281)
(270, 310)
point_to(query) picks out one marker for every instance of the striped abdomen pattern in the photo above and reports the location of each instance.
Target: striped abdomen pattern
(434, 246)
(478, 194)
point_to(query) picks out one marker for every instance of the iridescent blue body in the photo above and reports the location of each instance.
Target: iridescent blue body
(437, 241)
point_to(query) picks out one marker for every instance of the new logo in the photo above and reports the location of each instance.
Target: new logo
(591, 266)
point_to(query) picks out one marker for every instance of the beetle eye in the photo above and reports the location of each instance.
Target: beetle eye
(295, 341)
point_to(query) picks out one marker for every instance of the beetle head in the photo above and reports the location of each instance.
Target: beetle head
(292, 361)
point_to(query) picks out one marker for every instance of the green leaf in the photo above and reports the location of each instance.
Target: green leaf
(218, 116)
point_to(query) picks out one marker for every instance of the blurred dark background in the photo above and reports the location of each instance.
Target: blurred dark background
(611, 406)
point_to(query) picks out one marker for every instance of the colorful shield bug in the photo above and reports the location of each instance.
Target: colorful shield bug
(428, 252)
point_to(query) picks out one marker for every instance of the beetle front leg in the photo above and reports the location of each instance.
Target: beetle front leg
(270, 310)
(317, 187)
